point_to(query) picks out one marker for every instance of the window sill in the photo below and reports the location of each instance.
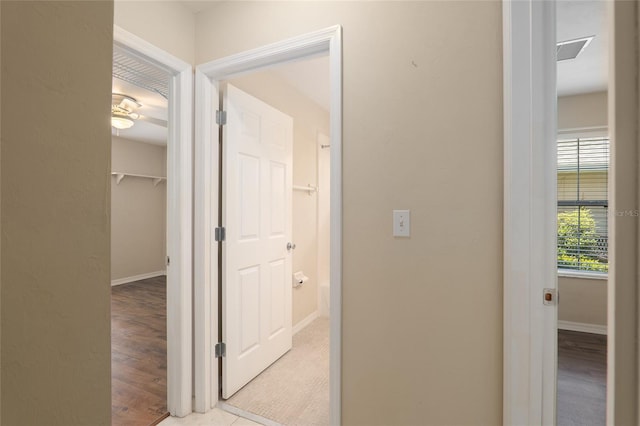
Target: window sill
(566, 273)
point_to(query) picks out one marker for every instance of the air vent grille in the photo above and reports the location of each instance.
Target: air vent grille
(570, 49)
(139, 73)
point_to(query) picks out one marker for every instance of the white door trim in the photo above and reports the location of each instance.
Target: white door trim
(530, 356)
(179, 219)
(208, 75)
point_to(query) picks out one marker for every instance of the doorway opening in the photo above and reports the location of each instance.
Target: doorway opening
(151, 233)
(289, 385)
(138, 241)
(209, 87)
(583, 211)
(551, 197)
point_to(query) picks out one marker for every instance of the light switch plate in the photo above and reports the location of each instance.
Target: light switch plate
(401, 223)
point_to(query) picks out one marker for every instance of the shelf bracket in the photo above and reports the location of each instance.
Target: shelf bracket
(119, 178)
(156, 181)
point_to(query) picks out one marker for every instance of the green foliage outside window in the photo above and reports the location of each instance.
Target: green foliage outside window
(578, 242)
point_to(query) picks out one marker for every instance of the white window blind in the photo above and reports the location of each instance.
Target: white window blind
(583, 202)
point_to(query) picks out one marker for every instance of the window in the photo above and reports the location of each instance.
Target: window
(583, 202)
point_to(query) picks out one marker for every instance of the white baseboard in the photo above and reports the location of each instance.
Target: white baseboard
(305, 322)
(137, 277)
(582, 327)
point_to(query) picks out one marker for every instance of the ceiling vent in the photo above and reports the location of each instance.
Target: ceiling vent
(570, 49)
(140, 73)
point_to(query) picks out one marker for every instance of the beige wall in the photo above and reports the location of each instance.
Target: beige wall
(422, 101)
(138, 209)
(407, 89)
(308, 119)
(622, 358)
(583, 300)
(580, 111)
(167, 24)
(55, 212)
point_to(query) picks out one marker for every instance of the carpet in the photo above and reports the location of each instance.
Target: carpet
(295, 389)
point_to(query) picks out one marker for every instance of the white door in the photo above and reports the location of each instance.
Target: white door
(257, 209)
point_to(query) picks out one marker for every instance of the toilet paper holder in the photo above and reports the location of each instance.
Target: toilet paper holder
(299, 278)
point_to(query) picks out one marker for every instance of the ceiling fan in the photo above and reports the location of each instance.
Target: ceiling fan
(124, 115)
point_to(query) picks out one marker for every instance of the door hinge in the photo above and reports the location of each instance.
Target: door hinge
(168, 261)
(221, 117)
(221, 350)
(550, 296)
(220, 234)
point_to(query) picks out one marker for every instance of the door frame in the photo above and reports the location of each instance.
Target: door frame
(326, 41)
(179, 216)
(530, 265)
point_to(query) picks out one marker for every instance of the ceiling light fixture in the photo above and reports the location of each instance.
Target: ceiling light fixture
(121, 123)
(122, 111)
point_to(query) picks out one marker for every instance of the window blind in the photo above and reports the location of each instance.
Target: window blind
(583, 202)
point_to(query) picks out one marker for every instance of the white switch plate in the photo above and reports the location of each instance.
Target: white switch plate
(401, 223)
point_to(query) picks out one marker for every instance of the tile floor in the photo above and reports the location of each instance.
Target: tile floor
(215, 417)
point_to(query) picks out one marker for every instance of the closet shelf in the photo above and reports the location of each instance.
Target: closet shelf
(309, 188)
(121, 175)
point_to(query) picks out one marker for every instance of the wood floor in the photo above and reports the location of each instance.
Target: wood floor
(582, 378)
(139, 352)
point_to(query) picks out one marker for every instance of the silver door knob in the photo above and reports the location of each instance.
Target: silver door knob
(291, 246)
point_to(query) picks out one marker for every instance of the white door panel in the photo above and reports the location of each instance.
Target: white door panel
(257, 210)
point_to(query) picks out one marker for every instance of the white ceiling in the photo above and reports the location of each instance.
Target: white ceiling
(153, 105)
(589, 71)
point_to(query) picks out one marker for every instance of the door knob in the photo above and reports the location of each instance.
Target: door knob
(291, 246)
